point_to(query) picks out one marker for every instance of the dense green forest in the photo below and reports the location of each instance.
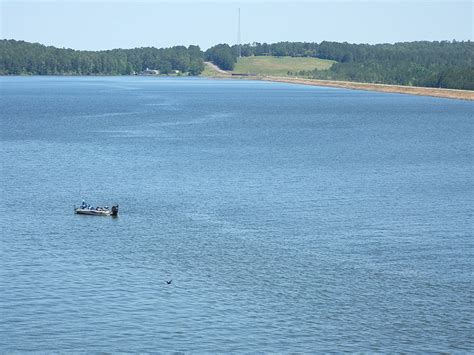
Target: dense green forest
(433, 64)
(19, 57)
(223, 56)
(446, 64)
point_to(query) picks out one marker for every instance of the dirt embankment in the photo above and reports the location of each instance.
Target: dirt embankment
(413, 90)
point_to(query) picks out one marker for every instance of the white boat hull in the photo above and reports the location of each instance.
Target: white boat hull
(95, 212)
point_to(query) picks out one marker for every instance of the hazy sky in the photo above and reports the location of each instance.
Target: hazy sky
(87, 24)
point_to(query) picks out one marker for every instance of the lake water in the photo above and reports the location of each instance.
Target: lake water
(290, 218)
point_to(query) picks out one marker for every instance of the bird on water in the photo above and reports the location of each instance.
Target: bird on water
(169, 282)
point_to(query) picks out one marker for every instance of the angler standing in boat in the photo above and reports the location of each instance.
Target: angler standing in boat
(97, 211)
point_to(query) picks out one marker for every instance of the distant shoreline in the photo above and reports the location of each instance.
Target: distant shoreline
(213, 72)
(467, 95)
(387, 88)
(411, 90)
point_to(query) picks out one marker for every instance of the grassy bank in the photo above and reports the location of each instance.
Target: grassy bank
(209, 72)
(278, 66)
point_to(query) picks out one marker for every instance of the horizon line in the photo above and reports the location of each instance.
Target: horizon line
(235, 44)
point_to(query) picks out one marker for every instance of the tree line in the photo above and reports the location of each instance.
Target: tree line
(446, 64)
(19, 57)
(223, 56)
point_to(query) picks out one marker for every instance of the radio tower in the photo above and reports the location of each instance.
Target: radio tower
(238, 37)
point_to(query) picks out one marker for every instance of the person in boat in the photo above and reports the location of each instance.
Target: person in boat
(83, 205)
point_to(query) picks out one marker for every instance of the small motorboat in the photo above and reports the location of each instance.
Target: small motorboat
(96, 211)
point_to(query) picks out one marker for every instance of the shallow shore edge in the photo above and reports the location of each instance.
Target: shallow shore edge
(412, 90)
(399, 89)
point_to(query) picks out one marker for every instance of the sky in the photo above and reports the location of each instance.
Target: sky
(107, 24)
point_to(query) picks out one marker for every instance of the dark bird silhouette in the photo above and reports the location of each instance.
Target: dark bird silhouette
(169, 282)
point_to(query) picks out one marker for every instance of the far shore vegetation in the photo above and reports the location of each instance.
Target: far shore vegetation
(445, 64)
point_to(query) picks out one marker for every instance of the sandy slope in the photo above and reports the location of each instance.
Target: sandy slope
(413, 90)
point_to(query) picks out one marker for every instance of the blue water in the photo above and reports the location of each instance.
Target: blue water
(290, 218)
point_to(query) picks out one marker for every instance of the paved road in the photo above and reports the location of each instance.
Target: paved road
(216, 68)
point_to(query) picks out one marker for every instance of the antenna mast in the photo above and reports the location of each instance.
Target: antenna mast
(238, 37)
